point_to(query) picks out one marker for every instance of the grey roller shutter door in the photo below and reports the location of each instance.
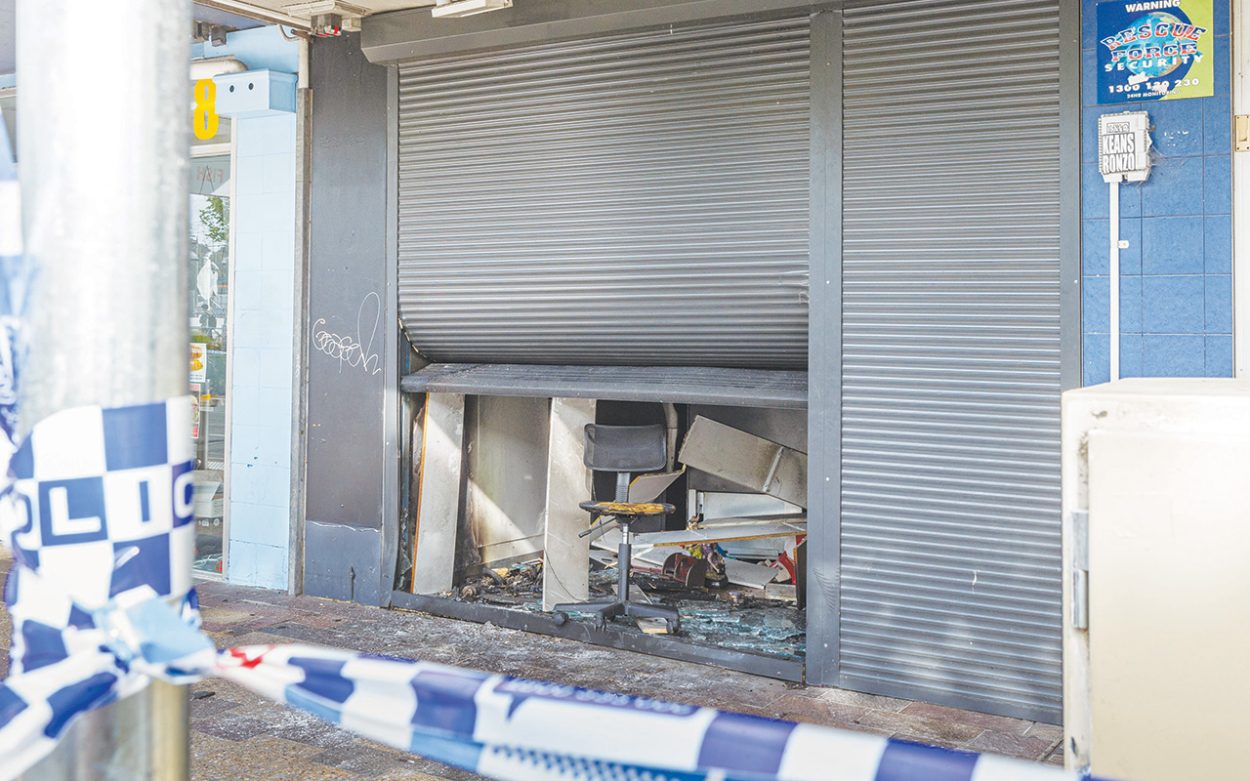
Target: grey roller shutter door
(950, 546)
(639, 198)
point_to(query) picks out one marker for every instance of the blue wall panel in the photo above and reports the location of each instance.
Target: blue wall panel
(1176, 306)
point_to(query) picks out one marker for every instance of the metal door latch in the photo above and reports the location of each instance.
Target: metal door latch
(1241, 133)
(1080, 569)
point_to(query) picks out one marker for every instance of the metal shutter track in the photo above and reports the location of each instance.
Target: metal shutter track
(950, 586)
(632, 199)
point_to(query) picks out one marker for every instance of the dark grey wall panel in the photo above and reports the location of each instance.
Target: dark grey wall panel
(640, 198)
(951, 353)
(347, 301)
(344, 562)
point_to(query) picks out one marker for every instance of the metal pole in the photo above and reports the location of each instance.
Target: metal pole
(1113, 262)
(103, 117)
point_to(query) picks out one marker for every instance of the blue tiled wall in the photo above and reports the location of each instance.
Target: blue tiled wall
(261, 377)
(1176, 303)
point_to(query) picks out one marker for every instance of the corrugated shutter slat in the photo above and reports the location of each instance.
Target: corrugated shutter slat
(638, 198)
(950, 463)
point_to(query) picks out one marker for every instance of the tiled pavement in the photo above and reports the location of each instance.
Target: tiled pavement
(241, 737)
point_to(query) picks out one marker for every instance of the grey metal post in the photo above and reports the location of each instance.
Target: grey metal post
(104, 128)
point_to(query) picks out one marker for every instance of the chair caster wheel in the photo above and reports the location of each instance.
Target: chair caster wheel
(560, 618)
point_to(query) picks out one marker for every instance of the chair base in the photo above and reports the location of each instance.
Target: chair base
(606, 611)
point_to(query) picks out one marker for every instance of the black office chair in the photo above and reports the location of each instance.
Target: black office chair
(623, 450)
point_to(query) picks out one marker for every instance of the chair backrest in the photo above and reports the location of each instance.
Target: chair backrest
(626, 448)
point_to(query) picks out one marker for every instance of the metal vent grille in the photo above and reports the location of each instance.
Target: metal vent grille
(633, 199)
(950, 583)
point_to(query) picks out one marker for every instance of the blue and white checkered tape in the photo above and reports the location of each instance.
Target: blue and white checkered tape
(98, 513)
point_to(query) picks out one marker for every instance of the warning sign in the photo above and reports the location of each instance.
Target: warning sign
(1124, 146)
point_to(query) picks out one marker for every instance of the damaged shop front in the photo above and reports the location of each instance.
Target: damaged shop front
(770, 251)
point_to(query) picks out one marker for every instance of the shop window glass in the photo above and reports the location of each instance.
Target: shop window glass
(208, 277)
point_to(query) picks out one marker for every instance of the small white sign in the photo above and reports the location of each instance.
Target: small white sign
(1124, 146)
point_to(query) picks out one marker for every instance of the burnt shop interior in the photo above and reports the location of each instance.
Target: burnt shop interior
(605, 238)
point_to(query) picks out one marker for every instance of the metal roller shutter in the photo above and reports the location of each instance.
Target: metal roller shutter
(950, 548)
(633, 199)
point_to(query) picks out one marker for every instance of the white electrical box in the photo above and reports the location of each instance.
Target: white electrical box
(1124, 146)
(1156, 514)
(255, 93)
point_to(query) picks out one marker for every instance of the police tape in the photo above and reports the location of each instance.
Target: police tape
(98, 513)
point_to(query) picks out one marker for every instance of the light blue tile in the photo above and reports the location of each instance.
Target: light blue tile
(275, 404)
(249, 177)
(241, 563)
(1095, 195)
(1223, 70)
(249, 224)
(1217, 192)
(1219, 356)
(1172, 245)
(1173, 356)
(1174, 188)
(1130, 303)
(271, 564)
(1178, 127)
(1130, 355)
(1093, 192)
(1173, 304)
(245, 443)
(249, 141)
(246, 366)
(1217, 126)
(259, 524)
(277, 497)
(1094, 356)
(276, 368)
(279, 249)
(1095, 305)
(1089, 136)
(279, 172)
(1219, 306)
(1217, 242)
(246, 291)
(1089, 79)
(1220, 17)
(1131, 256)
(1095, 247)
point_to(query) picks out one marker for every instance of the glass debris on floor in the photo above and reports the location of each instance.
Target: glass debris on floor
(762, 621)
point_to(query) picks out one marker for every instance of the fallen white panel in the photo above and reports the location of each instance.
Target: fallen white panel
(648, 487)
(728, 530)
(746, 460)
(566, 559)
(438, 495)
(744, 573)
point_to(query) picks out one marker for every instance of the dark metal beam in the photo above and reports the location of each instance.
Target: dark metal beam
(774, 389)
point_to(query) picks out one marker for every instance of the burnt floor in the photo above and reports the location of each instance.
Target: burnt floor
(239, 736)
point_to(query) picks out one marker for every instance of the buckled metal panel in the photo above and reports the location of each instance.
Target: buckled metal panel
(950, 536)
(638, 198)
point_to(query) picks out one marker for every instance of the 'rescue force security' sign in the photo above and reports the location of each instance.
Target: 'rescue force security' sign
(1124, 146)
(1155, 50)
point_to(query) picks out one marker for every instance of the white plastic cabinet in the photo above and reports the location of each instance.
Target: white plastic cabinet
(1156, 495)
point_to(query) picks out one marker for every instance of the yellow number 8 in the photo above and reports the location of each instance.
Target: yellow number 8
(204, 119)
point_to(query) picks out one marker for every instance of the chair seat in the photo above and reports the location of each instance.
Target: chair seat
(627, 509)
